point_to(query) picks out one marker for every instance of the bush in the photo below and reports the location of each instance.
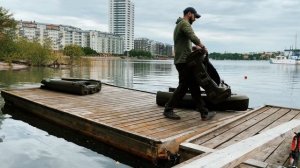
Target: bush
(7, 27)
(74, 51)
(12, 48)
(7, 49)
(6, 21)
(33, 52)
(89, 51)
(138, 53)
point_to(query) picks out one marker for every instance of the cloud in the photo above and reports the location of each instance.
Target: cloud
(235, 25)
(84, 24)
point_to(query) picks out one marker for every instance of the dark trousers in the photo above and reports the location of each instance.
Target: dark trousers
(186, 81)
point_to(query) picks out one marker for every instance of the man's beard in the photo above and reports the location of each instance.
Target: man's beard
(191, 21)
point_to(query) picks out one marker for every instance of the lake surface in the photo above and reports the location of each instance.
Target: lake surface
(30, 142)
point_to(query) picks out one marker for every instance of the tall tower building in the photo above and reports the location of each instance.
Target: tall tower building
(121, 21)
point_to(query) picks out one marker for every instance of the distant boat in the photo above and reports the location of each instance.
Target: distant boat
(290, 56)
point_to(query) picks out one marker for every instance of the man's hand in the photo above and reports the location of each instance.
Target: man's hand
(194, 48)
(201, 47)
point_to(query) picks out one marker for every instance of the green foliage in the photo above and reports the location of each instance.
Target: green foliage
(33, 52)
(74, 51)
(7, 25)
(140, 53)
(6, 22)
(7, 48)
(235, 56)
(89, 51)
(12, 49)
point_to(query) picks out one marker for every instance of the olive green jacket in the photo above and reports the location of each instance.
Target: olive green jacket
(183, 37)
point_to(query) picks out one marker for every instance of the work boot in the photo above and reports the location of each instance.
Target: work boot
(205, 114)
(213, 92)
(169, 113)
(208, 116)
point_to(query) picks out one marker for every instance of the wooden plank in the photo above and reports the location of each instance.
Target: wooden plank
(113, 115)
(256, 163)
(68, 105)
(292, 114)
(188, 118)
(73, 103)
(111, 112)
(178, 128)
(196, 148)
(198, 129)
(218, 129)
(46, 94)
(149, 124)
(267, 151)
(99, 107)
(121, 117)
(255, 129)
(245, 166)
(281, 153)
(140, 115)
(200, 139)
(277, 151)
(245, 147)
(94, 100)
(158, 126)
(229, 134)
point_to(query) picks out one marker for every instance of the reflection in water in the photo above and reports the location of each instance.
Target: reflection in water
(11, 79)
(143, 75)
(2, 117)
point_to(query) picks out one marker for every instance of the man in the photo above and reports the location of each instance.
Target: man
(190, 74)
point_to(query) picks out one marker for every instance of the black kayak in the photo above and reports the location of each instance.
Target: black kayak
(72, 85)
(234, 102)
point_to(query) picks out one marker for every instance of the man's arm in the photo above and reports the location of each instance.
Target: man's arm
(188, 30)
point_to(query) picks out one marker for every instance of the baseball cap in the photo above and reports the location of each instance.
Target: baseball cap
(192, 10)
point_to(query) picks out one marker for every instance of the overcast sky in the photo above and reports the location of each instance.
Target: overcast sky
(225, 25)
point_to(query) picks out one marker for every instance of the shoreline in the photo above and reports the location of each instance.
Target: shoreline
(5, 66)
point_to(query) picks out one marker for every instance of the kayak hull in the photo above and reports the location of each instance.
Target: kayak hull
(234, 102)
(73, 86)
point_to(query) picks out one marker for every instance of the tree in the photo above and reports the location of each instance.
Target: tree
(89, 51)
(74, 51)
(140, 53)
(7, 27)
(7, 49)
(7, 22)
(33, 52)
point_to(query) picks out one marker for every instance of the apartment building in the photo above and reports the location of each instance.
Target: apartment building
(154, 47)
(106, 42)
(143, 44)
(121, 21)
(63, 35)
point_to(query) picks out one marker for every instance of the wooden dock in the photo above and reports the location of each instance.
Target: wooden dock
(127, 119)
(265, 135)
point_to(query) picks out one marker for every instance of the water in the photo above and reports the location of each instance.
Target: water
(29, 142)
